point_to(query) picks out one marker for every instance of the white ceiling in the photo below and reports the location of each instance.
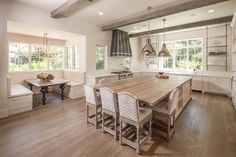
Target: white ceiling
(119, 9)
(112, 9)
(19, 28)
(195, 15)
(48, 5)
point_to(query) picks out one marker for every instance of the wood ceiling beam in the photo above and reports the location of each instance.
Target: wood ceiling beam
(173, 9)
(185, 26)
(70, 7)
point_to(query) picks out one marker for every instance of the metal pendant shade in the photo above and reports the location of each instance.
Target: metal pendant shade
(148, 49)
(164, 52)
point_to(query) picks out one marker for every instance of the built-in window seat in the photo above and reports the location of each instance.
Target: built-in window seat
(19, 98)
(74, 88)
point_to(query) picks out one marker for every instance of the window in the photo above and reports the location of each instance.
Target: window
(18, 57)
(27, 57)
(100, 57)
(72, 58)
(55, 57)
(185, 54)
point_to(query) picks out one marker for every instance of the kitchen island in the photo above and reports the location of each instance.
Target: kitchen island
(206, 82)
(151, 90)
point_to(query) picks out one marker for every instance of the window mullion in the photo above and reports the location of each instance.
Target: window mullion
(30, 57)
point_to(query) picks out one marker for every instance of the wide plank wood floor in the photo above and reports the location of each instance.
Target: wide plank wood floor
(206, 128)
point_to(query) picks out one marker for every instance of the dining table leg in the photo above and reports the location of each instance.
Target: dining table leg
(62, 87)
(44, 90)
(31, 86)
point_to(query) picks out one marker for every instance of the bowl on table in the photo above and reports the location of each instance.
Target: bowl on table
(45, 77)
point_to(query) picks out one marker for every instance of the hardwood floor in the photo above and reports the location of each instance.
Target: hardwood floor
(206, 128)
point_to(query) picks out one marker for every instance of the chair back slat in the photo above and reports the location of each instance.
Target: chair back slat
(173, 100)
(108, 99)
(90, 94)
(128, 106)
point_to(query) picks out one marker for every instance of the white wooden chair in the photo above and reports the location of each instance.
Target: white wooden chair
(131, 114)
(110, 111)
(164, 115)
(92, 100)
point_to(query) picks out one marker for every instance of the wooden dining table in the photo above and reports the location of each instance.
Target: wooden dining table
(149, 89)
(44, 86)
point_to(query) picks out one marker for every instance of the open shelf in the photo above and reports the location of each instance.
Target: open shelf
(216, 47)
(217, 36)
(212, 46)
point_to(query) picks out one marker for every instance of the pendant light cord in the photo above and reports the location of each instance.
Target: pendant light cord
(148, 17)
(164, 21)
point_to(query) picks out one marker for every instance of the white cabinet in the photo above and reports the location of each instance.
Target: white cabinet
(197, 83)
(221, 85)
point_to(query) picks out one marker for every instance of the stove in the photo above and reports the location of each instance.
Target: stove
(123, 74)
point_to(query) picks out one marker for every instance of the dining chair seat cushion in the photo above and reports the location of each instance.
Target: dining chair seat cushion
(144, 113)
(162, 107)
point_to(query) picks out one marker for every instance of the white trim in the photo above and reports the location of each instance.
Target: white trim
(234, 20)
(3, 113)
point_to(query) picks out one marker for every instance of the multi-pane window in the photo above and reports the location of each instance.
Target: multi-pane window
(18, 57)
(72, 58)
(27, 57)
(55, 57)
(100, 57)
(185, 54)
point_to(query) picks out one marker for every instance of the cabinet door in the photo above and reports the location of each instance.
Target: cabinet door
(218, 85)
(234, 92)
(197, 83)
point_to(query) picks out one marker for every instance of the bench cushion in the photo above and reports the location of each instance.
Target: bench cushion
(19, 90)
(72, 83)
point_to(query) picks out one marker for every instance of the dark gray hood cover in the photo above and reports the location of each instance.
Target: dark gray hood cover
(120, 45)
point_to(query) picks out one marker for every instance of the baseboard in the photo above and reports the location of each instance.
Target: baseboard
(3, 113)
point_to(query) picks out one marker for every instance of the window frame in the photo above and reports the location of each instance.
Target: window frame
(104, 57)
(74, 50)
(30, 53)
(161, 61)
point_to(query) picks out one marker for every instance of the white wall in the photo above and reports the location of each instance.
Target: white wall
(94, 36)
(16, 12)
(3, 62)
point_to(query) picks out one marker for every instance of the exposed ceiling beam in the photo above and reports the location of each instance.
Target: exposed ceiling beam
(172, 9)
(70, 7)
(185, 26)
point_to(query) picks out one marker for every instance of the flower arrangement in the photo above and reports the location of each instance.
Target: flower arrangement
(45, 77)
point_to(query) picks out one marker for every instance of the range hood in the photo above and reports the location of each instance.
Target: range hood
(120, 45)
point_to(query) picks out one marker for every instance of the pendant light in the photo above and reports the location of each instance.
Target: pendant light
(164, 52)
(148, 49)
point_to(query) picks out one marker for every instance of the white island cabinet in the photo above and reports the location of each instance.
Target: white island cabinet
(94, 79)
(218, 83)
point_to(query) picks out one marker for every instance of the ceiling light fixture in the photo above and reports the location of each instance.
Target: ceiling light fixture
(211, 11)
(135, 27)
(100, 13)
(148, 49)
(164, 52)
